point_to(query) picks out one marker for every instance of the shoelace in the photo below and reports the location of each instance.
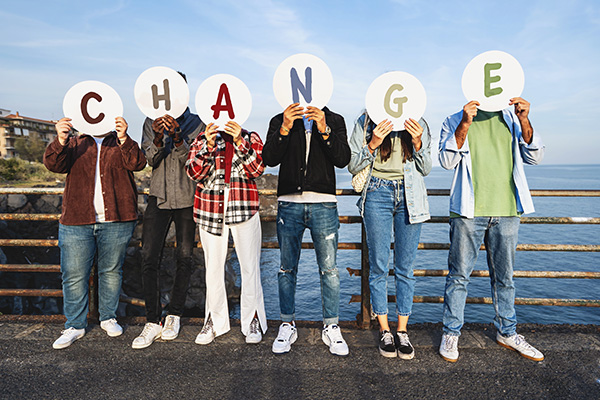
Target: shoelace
(169, 322)
(68, 331)
(254, 326)
(335, 334)
(450, 342)
(207, 326)
(147, 330)
(387, 338)
(520, 341)
(285, 331)
(403, 337)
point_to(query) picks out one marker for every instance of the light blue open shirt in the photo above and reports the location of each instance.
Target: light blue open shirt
(462, 198)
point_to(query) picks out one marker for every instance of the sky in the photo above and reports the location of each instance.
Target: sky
(47, 47)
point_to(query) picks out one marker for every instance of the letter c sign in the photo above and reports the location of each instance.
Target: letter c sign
(92, 107)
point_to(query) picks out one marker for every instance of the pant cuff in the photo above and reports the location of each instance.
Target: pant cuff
(330, 321)
(288, 317)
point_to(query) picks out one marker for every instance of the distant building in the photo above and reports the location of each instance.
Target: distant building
(14, 126)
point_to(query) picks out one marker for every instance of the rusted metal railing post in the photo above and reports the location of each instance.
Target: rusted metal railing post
(364, 318)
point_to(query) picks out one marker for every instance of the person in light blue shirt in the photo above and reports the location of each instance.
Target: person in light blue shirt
(489, 192)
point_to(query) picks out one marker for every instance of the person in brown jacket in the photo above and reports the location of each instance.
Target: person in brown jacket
(99, 214)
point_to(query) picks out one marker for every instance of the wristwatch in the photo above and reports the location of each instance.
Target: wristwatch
(327, 131)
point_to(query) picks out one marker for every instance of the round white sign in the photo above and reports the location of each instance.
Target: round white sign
(223, 98)
(305, 79)
(92, 107)
(493, 78)
(161, 90)
(396, 96)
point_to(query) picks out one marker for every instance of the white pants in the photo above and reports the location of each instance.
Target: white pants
(247, 238)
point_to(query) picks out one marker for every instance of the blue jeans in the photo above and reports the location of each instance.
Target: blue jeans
(78, 245)
(384, 211)
(500, 236)
(323, 221)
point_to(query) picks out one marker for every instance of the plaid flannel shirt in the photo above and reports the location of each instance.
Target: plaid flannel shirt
(207, 168)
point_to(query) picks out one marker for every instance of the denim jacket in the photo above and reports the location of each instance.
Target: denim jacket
(415, 192)
(462, 197)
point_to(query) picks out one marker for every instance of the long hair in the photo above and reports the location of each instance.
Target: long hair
(385, 150)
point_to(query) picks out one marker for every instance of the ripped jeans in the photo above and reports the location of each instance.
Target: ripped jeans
(323, 222)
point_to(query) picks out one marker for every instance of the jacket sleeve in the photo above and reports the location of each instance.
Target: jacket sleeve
(423, 156)
(57, 158)
(336, 145)
(132, 156)
(250, 152)
(449, 153)
(200, 159)
(276, 145)
(360, 156)
(154, 155)
(532, 153)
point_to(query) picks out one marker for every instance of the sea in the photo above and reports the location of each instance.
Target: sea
(574, 177)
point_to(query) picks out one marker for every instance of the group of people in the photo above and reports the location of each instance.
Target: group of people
(204, 175)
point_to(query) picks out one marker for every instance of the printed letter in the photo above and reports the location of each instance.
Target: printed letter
(84, 104)
(218, 107)
(297, 86)
(398, 101)
(166, 96)
(488, 79)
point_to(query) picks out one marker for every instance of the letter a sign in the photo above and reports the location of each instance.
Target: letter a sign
(161, 90)
(493, 78)
(305, 79)
(223, 98)
(396, 96)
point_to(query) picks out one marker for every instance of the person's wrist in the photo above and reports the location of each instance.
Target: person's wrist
(371, 148)
(326, 131)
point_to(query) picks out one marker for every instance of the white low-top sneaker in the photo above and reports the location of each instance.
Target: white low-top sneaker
(207, 334)
(111, 327)
(150, 333)
(332, 337)
(254, 334)
(285, 338)
(449, 347)
(171, 329)
(67, 337)
(519, 344)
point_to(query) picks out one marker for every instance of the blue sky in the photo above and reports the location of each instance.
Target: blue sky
(47, 47)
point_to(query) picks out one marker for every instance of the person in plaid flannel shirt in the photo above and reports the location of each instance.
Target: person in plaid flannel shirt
(225, 164)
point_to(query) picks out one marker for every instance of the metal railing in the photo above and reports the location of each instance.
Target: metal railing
(364, 317)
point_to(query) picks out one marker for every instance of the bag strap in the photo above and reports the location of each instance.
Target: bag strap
(365, 129)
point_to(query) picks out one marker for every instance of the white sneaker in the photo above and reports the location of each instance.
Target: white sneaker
(171, 329)
(449, 347)
(150, 333)
(519, 344)
(207, 334)
(254, 334)
(111, 327)
(285, 338)
(332, 337)
(67, 337)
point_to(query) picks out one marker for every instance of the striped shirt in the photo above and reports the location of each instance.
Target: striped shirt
(207, 167)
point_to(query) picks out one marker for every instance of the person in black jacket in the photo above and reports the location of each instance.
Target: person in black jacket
(307, 143)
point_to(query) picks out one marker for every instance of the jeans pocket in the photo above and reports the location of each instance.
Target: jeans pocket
(374, 184)
(284, 204)
(330, 205)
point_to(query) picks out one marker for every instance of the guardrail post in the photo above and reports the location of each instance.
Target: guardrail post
(364, 318)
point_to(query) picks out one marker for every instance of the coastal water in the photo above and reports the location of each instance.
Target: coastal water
(308, 298)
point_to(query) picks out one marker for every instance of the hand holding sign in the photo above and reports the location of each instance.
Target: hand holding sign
(63, 128)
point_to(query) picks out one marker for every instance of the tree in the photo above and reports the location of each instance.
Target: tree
(30, 148)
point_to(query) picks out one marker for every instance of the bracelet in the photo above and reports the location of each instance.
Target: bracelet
(285, 129)
(369, 146)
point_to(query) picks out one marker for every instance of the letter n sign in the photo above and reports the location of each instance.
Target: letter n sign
(297, 86)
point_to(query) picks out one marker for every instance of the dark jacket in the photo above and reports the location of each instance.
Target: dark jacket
(77, 158)
(290, 152)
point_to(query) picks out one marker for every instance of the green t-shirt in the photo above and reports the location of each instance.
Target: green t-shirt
(490, 144)
(392, 169)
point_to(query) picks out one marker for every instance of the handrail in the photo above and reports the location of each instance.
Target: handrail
(363, 298)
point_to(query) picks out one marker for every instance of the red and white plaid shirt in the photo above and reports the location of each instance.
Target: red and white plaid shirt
(207, 168)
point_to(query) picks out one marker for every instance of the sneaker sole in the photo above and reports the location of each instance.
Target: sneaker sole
(406, 356)
(112, 334)
(387, 354)
(143, 346)
(204, 342)
(287, 349)
(168, 337)
(253, 341)
(452, 360)
(521, 354)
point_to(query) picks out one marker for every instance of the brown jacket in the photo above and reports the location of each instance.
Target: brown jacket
(77, 158)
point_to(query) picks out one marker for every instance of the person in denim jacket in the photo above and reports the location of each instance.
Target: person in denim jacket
(394, 200)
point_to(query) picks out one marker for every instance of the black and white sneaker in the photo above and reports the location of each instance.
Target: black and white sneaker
(387, 348)
(405, 349)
